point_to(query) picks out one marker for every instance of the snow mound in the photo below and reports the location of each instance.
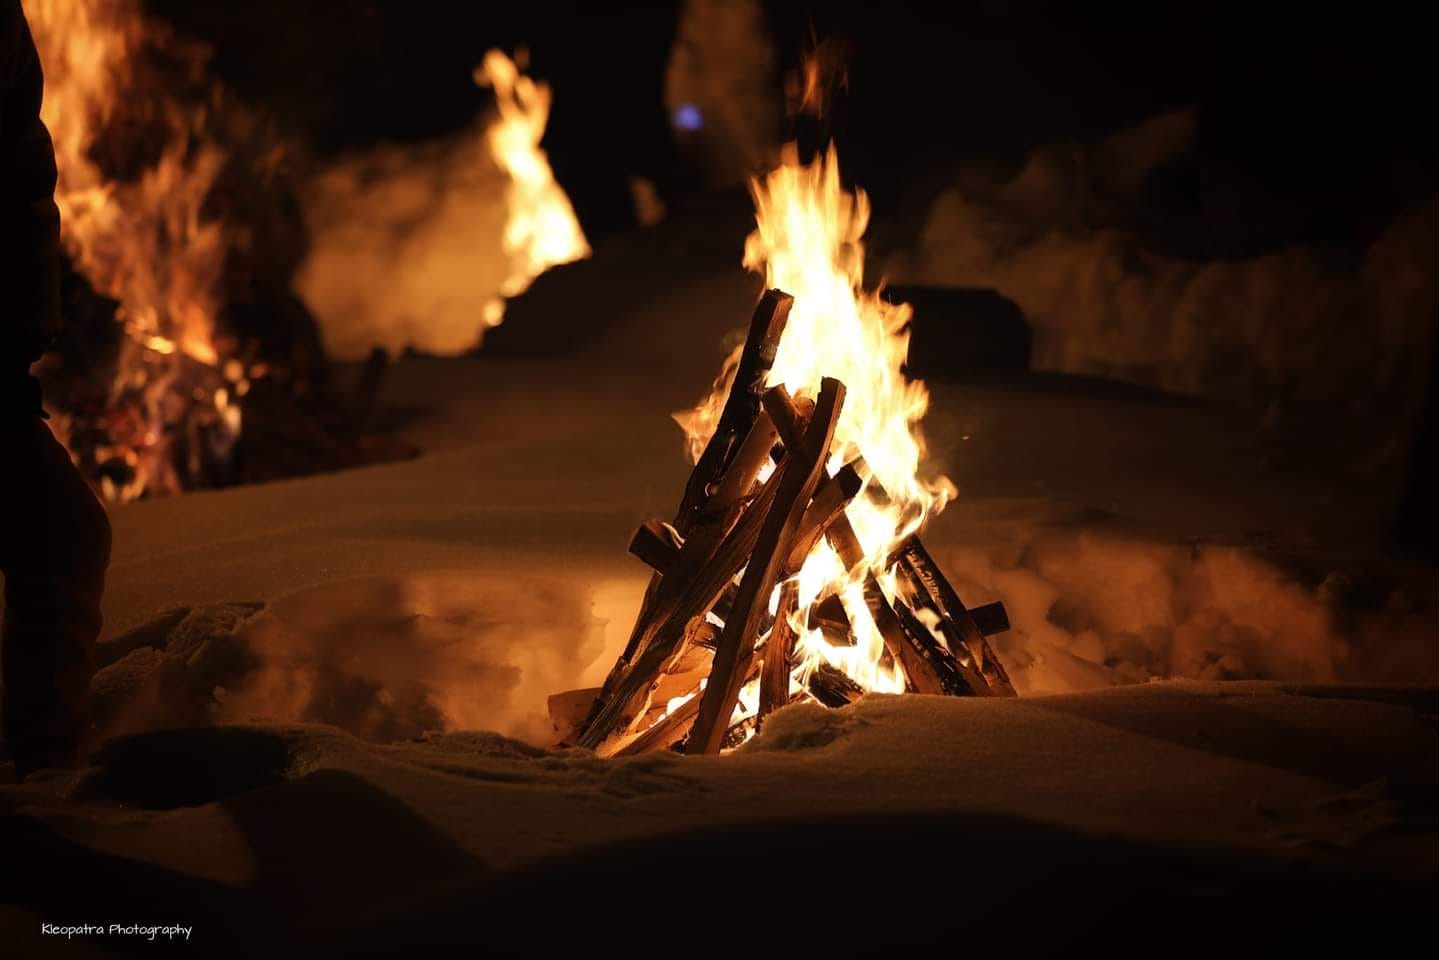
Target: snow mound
(386, 658)
(804, 726)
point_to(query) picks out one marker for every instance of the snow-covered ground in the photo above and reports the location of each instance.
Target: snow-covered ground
(337, 645)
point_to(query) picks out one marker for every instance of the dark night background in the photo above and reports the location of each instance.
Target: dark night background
(1313, 122)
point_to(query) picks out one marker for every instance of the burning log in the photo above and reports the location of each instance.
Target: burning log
(680, 598)
(796, 480)
(670, 729)
(774, 680)
(830, 500)
(830, 618)
(929, 667)
(568, 709)
(832, 687)
(657, 544)
(740, 411)
(737, 734)
(960, 630)
(742, 406)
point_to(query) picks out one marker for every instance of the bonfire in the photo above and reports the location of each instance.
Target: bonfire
(148, 393)
(793, 569)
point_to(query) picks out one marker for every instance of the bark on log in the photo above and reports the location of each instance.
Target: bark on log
(657, 544)
(667, 731)
(742, 406)
(774, 678)
(672, 728)
(830, 618)
(795, 482)
(959, 627)
(991, 618)
(956, 679)
(830, 500)
(924, 674)
(568, 711)
(832, 687)
(697, 597)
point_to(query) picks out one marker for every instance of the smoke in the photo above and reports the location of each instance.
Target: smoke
(407, 248)
(383, 658)
(1278, 333)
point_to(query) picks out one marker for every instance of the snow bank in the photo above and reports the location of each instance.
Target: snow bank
(1292, 332)
(387, 658)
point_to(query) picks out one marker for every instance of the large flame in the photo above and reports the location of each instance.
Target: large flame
(145, 242)
(542, 230)
(807, 242)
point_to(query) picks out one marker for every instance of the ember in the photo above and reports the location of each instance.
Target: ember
(793, 569)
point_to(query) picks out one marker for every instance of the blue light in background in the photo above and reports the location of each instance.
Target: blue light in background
(688, 117)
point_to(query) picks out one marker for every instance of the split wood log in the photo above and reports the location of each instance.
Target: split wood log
(742, 406)
(774, 678)
(923, 673)
(960, 630)
(672, 727)
(658, 545)
(832, 687)
(795, 482)
(720, 513)
(956, 678)
(991, 618)
(830, 500)
(568, 711)
(670, 680)
(665, 732)
(697, 594)
(692, 586)
(930, 667)
(739, 732)
(830, 618)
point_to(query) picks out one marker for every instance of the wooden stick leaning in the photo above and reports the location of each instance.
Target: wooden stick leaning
(690, 594)
(795, 480)
(928, 665)
(741, 407)
(774, 678)
(960, 626)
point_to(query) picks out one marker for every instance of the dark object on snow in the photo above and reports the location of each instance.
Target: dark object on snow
(54, 548)
(1416, 529)
(54, 535)
(29, 219)
(962, 332)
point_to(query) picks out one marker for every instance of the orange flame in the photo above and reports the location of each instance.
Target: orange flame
(146, 243)
(807, 242)
(542, 230)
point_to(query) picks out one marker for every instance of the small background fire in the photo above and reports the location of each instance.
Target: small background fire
(1171, 300)
(177, 211)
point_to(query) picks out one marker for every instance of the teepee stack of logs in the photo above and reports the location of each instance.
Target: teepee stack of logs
(706, 629)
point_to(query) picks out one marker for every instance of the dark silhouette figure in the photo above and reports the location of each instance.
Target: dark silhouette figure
(54, 536)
